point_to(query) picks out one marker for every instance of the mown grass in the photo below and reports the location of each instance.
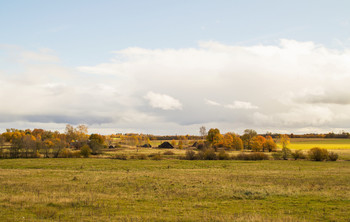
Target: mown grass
(173, 190)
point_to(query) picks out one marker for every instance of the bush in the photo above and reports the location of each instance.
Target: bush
(286, 153)
(120, 157)
(75, 154)
(318, 154)
(142, 157)
(252, 156)
(209, 154)
(190, 155)
(223, 155)
(201, 146)
(157, 157)
(85, 151)
(277, 156)
(332, 156)
(298, 154)
(66, 153)
(168, 153)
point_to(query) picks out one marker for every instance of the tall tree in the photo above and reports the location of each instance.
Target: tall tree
(284, 140)
(247, 138)
(214, 137)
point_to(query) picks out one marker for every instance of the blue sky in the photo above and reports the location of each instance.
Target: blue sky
(82, 30)
(61, 50)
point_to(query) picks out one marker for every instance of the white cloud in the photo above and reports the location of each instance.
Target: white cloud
(212, 103)
(241, 105)
(163, 101)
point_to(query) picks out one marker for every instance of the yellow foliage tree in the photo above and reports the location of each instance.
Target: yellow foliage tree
(284, 140)
(258, 143)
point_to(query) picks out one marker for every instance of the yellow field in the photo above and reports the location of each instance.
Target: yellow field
(331, 144)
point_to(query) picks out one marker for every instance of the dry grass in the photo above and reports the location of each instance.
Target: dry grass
(173, 190)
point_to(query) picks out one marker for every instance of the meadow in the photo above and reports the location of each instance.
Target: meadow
(173, 190)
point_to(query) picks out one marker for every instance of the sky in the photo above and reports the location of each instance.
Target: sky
(169, 67)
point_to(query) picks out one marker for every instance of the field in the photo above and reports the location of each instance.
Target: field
(173, 190)
(307, 143)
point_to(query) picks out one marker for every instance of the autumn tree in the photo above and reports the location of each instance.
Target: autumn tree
(58, 146)
(247, 138)
(258, 143)
(82, 133)
(269, 144)
(29, 144)
(47, 146)
(284, 140)
(96, 143)
(237, 143)
(70, 133)
(228, 140)
(214, 137)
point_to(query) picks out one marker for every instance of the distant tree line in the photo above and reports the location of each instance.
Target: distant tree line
(76, 142)
(35, 143)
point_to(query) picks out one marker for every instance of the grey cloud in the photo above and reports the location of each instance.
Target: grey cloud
(65, 119)
(68, 119)
(339, 98)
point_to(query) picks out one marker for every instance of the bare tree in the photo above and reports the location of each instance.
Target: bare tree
(203, 131)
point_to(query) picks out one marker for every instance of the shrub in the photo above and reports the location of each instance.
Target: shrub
(332, 156)
(318, 154)
(190, 155)
(157, 157)
(209, 154)
(252, 156)
(201, 146)
(168, 153)
(120, 157)
(142, 157)
(36, 154)
(277, 156)
(66, 153)
(152, 155)
(85, 151)
(286, 153)
(75, 154)
(95, 146)
(223, 155)
(298, 154)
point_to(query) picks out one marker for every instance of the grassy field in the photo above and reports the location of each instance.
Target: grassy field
(173, 190)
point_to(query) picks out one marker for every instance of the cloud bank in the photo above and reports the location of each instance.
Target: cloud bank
(288, 87)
